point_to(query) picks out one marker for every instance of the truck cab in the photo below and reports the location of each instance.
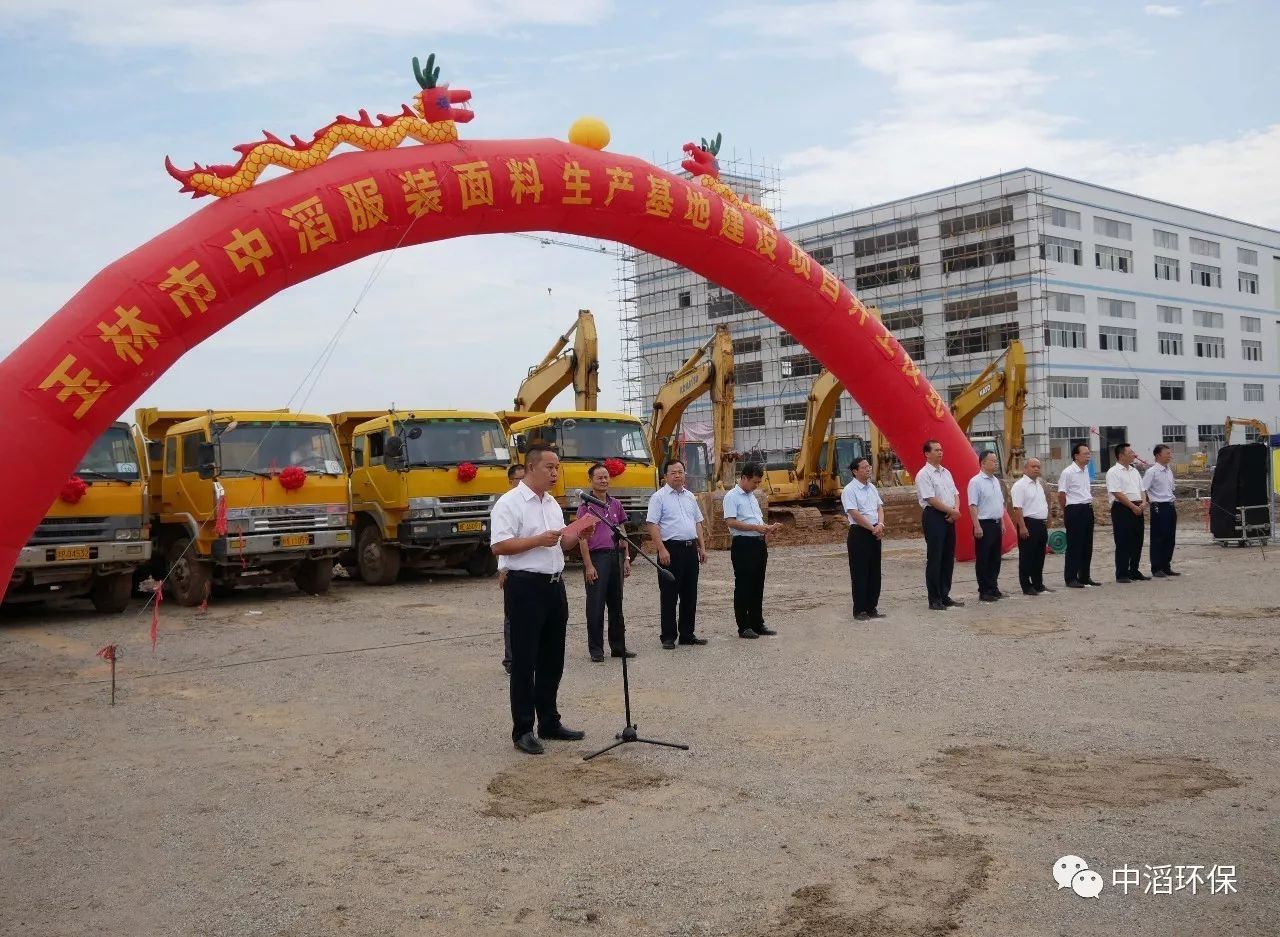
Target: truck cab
(95, 534)
(415, 501)
(244, 498)
(582, 438)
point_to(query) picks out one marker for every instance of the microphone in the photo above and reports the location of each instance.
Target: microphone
(591, 499)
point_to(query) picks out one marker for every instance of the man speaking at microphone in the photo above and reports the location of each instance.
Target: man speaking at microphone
(528, 529)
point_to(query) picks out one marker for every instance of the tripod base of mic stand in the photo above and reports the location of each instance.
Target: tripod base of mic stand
(629, 735)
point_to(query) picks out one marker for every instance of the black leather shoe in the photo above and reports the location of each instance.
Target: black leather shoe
(1073, 584)
(1159, 575)
(1125, 580)
(876, 613)
(988, 598)
(952, 603)
(1030, 592)
(506, 665)
(561, 732)
(1040, 589)
(597, 658)
(861, 616)
(693, 639)
(529, 745)
(1169, 572)
(1138, 577)
(747, 633)
(937, 607)
(622, 653)
(764, 631)
(1091, 582)
(668, 645)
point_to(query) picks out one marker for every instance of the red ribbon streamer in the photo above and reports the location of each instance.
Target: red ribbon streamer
(155, 615)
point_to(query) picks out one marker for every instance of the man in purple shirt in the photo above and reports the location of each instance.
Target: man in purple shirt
(604, 572)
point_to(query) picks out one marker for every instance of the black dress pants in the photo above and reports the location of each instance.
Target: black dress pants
(539, 617)
(682, 592)
(750, 556)
(1079, 523)
(605, 593)
(864, 568)
(1031, 554)
(986, 557)
(940, 553)
(1127, 531)
(1164, 535)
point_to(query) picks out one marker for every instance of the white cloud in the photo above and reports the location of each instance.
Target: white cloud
(964, 107)
(1158, 9)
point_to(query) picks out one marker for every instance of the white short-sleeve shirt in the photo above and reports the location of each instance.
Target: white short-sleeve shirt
(675, 512)
(1028, 495)
(936, 483)
(1074, 483)
(1125, 479)
(521, 513)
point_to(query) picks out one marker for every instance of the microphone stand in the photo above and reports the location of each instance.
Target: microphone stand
(628, 734)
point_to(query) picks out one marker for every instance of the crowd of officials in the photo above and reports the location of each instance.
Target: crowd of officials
(530, 538)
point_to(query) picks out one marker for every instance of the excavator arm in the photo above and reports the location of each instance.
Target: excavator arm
(708, 370)
(1245, 423)
(579, 367)
(1007, 383)
(823, 397)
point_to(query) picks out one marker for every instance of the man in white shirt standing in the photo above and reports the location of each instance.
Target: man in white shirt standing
(986, 508)
(938, 496)
(1124, 491)
(1031, 514)
(1158, 485)
(675, 526)
(1075, 495)
(525, 532)
(748, 551)
(865, 509)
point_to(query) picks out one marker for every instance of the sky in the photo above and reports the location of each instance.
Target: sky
(855, 102)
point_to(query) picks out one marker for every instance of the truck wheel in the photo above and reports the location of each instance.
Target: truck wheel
(379, 563)
(110, 594)
(314, 576)
(189, 576)
(482, 563)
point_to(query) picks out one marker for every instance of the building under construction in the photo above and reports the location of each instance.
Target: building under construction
(1142, 321)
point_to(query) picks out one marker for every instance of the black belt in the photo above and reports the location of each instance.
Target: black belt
(537, 577)
(680, 543)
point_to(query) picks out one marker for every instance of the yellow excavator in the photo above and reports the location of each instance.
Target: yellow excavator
(1004, 379)
(579, 366)
(708, 370)
(820, 468)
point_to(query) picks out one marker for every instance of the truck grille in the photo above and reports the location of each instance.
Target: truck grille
(276, 525)
(465, 506)
(70, 530)
(633, 503)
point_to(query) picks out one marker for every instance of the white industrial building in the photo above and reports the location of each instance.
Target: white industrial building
(1141, 320)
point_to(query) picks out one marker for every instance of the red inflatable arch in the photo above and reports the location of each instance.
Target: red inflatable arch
(99, 353)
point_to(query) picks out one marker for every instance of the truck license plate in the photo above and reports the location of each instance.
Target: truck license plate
(71, 553)
(467, 527)
(295, 540)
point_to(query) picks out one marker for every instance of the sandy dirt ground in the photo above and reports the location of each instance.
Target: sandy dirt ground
(342, 765)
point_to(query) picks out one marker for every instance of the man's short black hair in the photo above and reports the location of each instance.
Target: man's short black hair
(666, 466)
(1160, 447)
(857, 463)
(929, 444)
(512, 469)
(1075, 450)
(533, 455)
(591, 472)
(751, 470)
(983, 456)
(1119, 448)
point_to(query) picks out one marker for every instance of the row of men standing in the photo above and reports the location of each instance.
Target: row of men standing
(1130, 496)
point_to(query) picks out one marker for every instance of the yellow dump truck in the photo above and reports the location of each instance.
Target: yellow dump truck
(95, 534)
(582, 438)
(275, 477)
(414, 500)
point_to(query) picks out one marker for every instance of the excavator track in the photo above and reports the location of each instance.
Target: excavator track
(796, 516)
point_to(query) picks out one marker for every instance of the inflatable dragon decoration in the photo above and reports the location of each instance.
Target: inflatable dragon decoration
(705, 169)
(432, 119)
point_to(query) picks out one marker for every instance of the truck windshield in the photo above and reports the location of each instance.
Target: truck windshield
(254, 448)
(448, 442)
(594, 440)
(113, 455)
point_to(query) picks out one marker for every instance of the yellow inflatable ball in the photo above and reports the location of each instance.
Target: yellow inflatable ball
(590, 132)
